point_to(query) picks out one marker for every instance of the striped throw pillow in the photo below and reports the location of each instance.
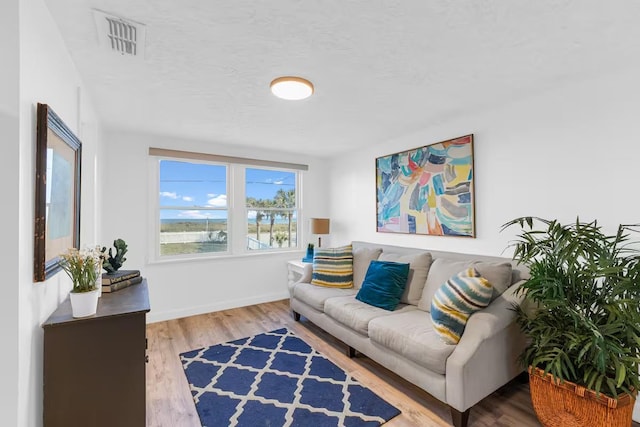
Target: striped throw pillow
(455, 300)
(333, 267)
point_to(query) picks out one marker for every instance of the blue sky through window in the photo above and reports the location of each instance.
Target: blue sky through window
(194, 185)
(264, 183)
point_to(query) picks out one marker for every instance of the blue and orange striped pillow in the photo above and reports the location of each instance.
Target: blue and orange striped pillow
(333, 267)
(456, 300)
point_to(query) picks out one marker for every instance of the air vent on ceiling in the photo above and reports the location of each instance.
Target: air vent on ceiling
(120, 35)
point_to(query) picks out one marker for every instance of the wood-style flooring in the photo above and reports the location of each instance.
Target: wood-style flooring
(169, 402)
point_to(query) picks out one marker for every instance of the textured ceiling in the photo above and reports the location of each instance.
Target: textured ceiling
(380, 68)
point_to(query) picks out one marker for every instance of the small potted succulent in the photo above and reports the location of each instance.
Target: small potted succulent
(84, 269)
(113, 262)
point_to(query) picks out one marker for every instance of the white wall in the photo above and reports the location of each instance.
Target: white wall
(566, 153)
(47, 75)
(569, 152)
(182, 288)
(9, 176)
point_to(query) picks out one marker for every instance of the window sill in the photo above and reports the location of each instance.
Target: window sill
(288, 254)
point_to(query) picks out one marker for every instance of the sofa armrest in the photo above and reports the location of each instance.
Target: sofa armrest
(486, 356)
(305, 278)
(306, 274)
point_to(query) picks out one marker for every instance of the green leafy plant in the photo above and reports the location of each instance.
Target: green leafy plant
(112, 263)
(83, 267)
(583, 319)
(280, 237)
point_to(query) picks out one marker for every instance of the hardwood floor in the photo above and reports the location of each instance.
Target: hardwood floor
(169, 402)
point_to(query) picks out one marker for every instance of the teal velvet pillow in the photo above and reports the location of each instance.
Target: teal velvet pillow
(384, 284)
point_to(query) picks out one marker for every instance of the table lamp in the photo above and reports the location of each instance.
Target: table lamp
(319, 226)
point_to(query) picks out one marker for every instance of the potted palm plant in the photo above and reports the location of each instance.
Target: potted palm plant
(84, 268)
(582, 321)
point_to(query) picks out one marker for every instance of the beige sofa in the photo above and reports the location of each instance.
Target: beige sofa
(404, 340)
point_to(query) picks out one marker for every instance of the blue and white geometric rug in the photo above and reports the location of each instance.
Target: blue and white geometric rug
(275, 379)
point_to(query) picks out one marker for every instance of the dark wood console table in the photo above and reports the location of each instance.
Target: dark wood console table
(94, 367)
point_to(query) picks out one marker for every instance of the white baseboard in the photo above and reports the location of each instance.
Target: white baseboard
(154, 316)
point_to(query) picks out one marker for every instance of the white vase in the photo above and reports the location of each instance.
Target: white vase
(99, 279)
(84, 304)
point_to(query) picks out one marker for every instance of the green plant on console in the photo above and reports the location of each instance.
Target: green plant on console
(112, 263)
(83, 268)
(584, 320)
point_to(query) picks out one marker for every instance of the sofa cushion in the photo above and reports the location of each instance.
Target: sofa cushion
(315, 296)
(361, 259)
(411, 335)
(357, 314)
(440, 271)
(419, 264)
(384, 284)
(458, 298)
(333, 267)
(499, 274)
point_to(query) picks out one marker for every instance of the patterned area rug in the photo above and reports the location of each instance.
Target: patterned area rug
(276, 379)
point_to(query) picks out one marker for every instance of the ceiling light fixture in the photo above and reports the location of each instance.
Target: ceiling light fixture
(291, 88)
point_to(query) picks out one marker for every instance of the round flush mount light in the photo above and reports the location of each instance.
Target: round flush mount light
(291, 88)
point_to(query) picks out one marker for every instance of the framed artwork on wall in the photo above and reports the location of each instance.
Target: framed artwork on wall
(57, 190)
(427, 190)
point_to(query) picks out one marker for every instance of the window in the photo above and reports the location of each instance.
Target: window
(271, 208)
(210, 205)
(193, 208)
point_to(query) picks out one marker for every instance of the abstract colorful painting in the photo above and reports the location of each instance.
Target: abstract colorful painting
(427, 190)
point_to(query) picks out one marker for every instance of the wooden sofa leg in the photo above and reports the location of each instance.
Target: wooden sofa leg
(460, 419)
(296, 315)
(351, 352)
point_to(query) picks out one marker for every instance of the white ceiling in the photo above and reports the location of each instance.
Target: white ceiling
(380, 68)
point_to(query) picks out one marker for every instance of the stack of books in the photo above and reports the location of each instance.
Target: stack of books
(120, 279)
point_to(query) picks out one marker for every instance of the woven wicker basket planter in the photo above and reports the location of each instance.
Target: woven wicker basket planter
(570, 405)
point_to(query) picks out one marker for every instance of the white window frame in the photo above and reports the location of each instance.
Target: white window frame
(237, 210)
(156, 255)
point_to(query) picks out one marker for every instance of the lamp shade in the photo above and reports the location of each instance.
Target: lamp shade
(319, 225)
